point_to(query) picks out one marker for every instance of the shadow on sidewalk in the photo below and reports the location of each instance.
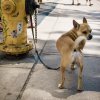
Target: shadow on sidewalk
(93, 15)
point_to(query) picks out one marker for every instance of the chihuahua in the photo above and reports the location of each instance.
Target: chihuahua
(70, 46)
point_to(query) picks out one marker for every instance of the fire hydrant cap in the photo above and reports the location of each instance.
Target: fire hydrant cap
(8, 6)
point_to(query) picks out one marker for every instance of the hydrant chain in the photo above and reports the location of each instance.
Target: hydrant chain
(36, 26)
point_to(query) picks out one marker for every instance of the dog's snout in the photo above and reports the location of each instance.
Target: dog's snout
(89, 37)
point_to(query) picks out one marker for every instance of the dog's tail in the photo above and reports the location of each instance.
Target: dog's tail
(80, 42)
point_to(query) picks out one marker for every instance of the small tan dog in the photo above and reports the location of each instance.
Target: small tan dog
(70, 47)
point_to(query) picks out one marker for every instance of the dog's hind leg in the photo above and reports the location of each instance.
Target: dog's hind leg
(80, 65)
(80, 83)
(64, 63)
(61, 85)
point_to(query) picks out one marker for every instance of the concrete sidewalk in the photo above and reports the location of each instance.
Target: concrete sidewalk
(43, 82)
(29, 81)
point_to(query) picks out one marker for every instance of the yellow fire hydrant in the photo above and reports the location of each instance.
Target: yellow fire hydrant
(14, 25)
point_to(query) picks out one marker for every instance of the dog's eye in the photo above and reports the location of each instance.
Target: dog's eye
(84, 32)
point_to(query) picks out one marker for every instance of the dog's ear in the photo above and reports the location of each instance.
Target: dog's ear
(76, 25)
(84, 20)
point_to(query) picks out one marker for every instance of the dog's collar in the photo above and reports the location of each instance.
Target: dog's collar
(73, 35)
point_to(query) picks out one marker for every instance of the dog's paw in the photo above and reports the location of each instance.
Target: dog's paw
(60, 86)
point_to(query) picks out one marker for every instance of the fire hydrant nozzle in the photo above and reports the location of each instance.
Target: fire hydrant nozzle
(8, 6)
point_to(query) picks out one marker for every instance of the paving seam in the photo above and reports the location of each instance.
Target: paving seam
(32, 70)
(30, 74)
